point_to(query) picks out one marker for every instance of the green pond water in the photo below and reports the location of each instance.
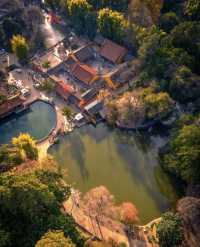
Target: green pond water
(38, 121)
(125, 162)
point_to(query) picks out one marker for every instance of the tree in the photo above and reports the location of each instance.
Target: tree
(159, 58)
(186, 36)
(26, 144)
(46, 64)
(129, 213)
(168, 21)
(54, 239)
(182, 157)
(184, 86)
(112, 24)
(67, 112)
(121, 5)
(80, 12)
(10, 157)
(169, 230)
(8, 29)
(53, 3)
(48, 85)
(193, 9)
(19, 46)
(91, 24)
(145, 13)
(158, 104)
(4, 238)
(30, 206)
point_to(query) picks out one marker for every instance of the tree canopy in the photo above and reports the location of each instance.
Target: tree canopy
(26, 144)
(112, 24)
(182, 157)
(19, 46)
(193, 9)
(54, 239)
(82, 16)
(30, 205)
(169, 230)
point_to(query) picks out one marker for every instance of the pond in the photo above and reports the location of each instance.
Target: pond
(125, 162)
(38, 121)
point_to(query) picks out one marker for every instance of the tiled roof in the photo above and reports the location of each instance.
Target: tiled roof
(70, 61)
(112, 51)
(64, 90)
(84, 72)
(84, 53)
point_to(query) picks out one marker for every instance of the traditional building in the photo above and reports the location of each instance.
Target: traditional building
(84, 53)
(94, 107)
(112, 51)
(47, 62)
(64, 90)
(84, 73)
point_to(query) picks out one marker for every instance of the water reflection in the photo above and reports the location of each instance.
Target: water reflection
(125, 162)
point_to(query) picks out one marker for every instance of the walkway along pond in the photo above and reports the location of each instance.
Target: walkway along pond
(125, 162)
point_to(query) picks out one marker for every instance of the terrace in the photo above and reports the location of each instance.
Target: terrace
(51, 59)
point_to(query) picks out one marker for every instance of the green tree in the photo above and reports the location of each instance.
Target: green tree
(169, 230)
(19, 46)
(10, 157)
(157, 104)
(159, 58)
(186, 36)
(91, 24)
(53, 3)
(67, 112)
(4, 238)
(54, 239)
(30, 205)
(168, 21)
(184, 86)
(182, 157)
(121, 5)
(193, 9)
(79, 12)
(26, 144)
(112, 24)
(8, 28)
(48, 85)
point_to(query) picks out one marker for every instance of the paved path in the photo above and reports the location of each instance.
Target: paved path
(36, 94)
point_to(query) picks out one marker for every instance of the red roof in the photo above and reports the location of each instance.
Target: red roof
(84, 72)
(112, 51)
(64, 90)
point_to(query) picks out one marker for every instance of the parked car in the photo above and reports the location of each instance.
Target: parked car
(25, 92)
